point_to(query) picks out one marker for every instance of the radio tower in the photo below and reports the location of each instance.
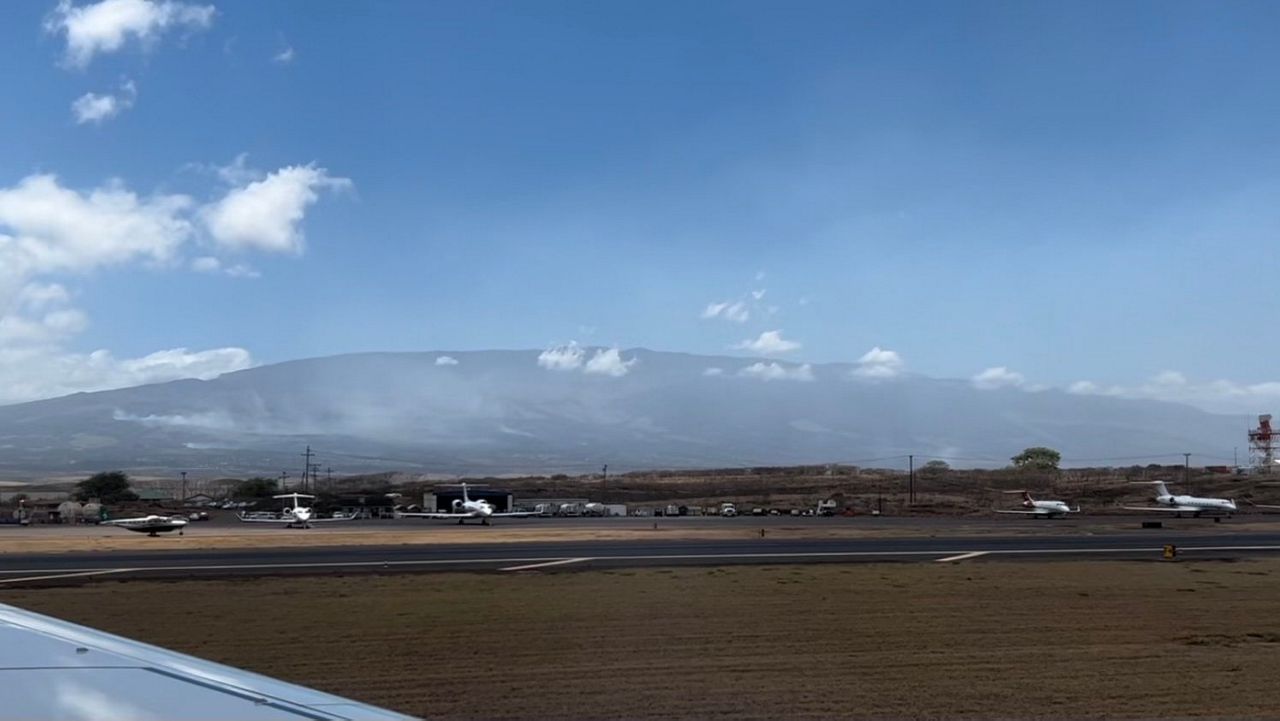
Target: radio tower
(1262, 445)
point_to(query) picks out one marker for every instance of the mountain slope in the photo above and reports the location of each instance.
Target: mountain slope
(499, 411)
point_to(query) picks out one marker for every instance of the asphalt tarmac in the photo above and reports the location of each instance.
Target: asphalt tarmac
(1200, 541)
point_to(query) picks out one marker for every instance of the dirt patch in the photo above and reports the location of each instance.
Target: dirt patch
(976, 640)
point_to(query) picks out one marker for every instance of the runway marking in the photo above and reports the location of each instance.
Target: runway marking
(537, 560)
(544, 565)
(66, 575)
(963, 556)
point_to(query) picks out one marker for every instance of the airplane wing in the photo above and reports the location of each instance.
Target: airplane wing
(1262, 505)
(65, 671)
(329, 520)
(1166, 509)
(1025, 513)
(515, 514)
(247, 519)
(435, 515)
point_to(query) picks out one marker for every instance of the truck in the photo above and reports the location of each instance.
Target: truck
(728, 509)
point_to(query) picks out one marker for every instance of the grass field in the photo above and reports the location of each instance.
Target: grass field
(971, 640)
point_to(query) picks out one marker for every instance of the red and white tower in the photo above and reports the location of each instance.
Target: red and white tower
(1262, 445)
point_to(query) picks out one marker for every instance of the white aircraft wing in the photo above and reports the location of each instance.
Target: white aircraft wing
(515, 514)
(250, 519)
(1167, 509)
(330, 520)
(1263, 505)
(435, 515)
(60, 670)
(1025, 513)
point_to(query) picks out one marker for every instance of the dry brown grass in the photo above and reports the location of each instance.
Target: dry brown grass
(972, 640)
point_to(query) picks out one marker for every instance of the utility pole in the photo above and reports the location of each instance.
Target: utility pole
(911, 480)
(1186, 471)
(315, 477)
(328, 477)
(182, 501)
(604, 482)
(306, 469)
(284, 481)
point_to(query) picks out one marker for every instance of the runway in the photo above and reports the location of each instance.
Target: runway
(577, 555)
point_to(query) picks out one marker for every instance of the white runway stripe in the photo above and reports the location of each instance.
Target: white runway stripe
(963, 556)
(548, 563)
(67, 575)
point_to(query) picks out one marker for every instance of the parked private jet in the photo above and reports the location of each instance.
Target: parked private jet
(467, 509)
(1042, 509)
(298, 516)
(150, 525)
(1169, 503)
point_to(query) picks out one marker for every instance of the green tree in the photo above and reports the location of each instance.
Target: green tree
(935, 468)
(1038, 458)
(107, 487)
(256, 487)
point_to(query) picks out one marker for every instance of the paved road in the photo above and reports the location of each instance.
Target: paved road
(15, 568)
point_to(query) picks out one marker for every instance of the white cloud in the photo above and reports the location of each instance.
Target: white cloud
(94, 108)
(237, 172)
(285, 56)
(769, 343)
(1219, 396)
(561, 357)
(713, 372)
(1170, 378)
(47, 229)
(216, 420)
(609, 363)
(446, 360)
(264, 215)
(998, 377)
(206, 264)
(105, 27)
(209, 264)
(1085, 388)
(758, 294)
(777, 372)
(735, 311)
(37, 296)
(29, 373)
(879, 363)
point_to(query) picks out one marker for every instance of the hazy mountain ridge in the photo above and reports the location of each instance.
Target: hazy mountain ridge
(499, 411)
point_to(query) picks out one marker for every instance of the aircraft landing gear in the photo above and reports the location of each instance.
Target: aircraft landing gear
(179, 532)
(485, 522)
(459, 521)
(153, 534)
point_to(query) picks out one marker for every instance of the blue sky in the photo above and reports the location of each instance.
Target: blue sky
(1069, 192)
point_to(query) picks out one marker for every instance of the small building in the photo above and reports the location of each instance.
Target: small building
(369, 505)
(154, 495)
(441, 498)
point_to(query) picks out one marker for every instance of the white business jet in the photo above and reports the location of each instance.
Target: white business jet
(1042, 509)
(150, 525)
(298, 516)
(1169, 503)
(467, 509)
